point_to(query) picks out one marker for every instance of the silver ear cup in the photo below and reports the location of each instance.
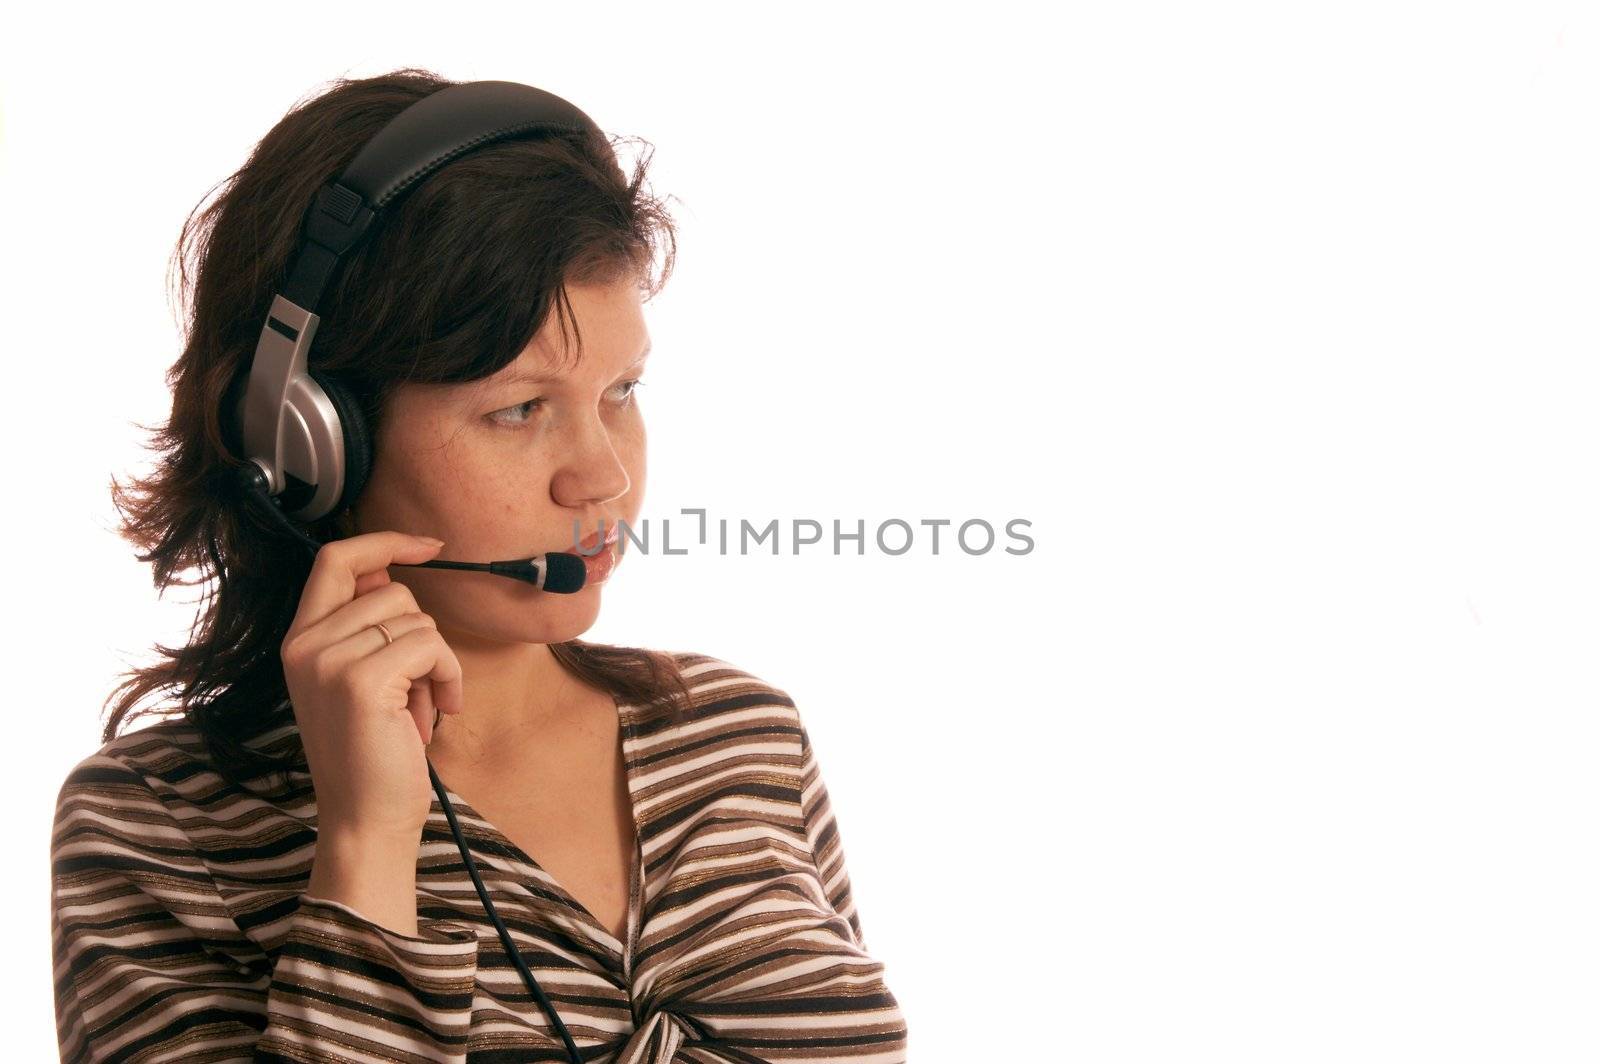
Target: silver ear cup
(303, 428)
(313, 452)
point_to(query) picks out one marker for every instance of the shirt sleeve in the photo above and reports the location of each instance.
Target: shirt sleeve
(146, 954)
(827, 846)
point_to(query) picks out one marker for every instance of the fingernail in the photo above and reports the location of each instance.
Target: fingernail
(430, 541)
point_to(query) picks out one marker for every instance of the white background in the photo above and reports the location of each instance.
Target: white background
(1277, 322)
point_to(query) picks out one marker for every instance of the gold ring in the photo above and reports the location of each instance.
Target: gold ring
(387, 637)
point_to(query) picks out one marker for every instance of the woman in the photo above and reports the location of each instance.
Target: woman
(271, 875)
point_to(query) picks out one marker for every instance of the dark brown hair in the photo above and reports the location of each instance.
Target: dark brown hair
(450, 287)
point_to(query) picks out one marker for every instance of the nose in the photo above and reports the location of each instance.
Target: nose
(591, 470)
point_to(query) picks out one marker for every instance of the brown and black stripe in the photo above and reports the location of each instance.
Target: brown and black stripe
(181, 928)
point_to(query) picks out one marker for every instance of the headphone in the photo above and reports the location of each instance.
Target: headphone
(303, 431)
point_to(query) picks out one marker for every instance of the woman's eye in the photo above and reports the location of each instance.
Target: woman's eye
(514, 422)
(515, 416)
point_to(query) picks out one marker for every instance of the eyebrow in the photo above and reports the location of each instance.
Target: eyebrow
(544, 378)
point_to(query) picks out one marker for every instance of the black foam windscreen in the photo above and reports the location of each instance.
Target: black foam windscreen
(565, 573)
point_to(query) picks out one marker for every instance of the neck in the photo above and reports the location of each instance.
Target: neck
(514, 694)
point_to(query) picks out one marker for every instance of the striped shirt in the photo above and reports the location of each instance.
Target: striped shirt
(181, 929)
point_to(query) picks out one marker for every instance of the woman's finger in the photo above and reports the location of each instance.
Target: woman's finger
(338, 565)
(418, 654)
(419, 703)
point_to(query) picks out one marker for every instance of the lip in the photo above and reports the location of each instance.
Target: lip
(591, 543)
(598, 567)
(597, 562)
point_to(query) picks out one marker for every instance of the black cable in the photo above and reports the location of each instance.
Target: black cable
(251, 484)
(500, 927)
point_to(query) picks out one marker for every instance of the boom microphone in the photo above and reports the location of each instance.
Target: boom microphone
(555, 571)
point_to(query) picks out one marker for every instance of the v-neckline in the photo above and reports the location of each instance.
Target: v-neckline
(624, 946)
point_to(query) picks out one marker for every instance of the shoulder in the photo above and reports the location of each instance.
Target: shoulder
(736, 757)
(168, 759)
(720, 687)
(154, 798)
(122, 801)
(727, 699)
(154, 751)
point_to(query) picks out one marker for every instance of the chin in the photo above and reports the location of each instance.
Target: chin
(566, 617)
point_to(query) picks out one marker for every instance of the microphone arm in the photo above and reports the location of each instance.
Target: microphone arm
(559, 572)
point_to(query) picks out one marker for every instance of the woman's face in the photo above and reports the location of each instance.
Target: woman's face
(502, 467)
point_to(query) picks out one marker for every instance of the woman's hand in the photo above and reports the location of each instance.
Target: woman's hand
(365, 707)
